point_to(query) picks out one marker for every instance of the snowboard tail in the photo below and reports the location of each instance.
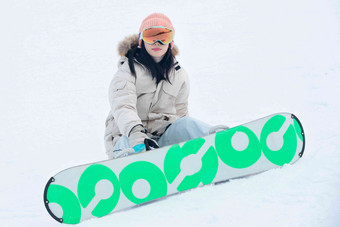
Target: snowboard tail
(98, 189)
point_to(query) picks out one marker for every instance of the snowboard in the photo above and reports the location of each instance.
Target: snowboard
(98, 189)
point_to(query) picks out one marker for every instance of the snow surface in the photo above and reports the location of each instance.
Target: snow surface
(246, 59)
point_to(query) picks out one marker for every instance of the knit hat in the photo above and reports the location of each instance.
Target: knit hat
(156, 19)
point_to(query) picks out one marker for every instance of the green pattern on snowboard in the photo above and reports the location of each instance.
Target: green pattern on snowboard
(235, 158)
(98, 189)
(288, 149)
(87, 185)
(146, 171)
(68, 202)
(175, 156)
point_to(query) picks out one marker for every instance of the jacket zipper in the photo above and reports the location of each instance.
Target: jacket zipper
(151, 105)
(147, 122)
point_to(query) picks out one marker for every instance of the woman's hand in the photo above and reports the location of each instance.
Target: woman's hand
(138, 139)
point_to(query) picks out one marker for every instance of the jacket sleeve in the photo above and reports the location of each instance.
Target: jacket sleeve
(183, 95)
(123, 100)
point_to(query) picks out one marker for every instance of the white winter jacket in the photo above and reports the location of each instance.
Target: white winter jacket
(138, 100)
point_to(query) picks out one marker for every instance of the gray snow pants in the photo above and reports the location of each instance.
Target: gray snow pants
(183, 129)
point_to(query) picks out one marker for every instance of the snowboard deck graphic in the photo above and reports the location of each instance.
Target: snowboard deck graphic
(98, 189)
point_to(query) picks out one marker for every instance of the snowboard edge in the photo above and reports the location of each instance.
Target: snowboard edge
(302, 134)
(46, 202)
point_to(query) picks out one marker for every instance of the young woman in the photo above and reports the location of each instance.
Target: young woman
(149, 93)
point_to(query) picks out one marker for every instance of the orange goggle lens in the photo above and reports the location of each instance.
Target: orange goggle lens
(155, 34)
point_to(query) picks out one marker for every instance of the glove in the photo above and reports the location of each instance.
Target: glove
(139, 141)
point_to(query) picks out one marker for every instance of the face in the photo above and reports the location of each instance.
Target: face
(156, 49)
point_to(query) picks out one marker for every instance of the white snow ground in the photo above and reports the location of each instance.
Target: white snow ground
(246, 59)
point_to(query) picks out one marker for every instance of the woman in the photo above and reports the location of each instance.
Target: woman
(149, 93)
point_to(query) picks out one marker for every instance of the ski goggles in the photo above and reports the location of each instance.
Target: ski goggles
(157, 34)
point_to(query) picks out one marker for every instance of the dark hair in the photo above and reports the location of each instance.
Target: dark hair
(159, 71)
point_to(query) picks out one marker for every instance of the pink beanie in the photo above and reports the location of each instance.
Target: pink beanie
(156, 19)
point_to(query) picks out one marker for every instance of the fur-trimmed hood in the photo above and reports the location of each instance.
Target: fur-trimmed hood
(132, 41)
